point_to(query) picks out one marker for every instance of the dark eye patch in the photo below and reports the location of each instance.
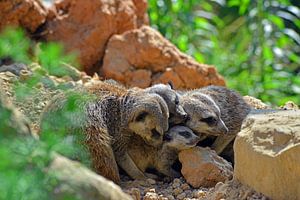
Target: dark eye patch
(167, 138)
(209, 120)
(176, 100)
(141, 117)
(185, 134)
(155, 134)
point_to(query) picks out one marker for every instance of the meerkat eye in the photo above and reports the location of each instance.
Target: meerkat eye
(209, 120)
(155, 134)
(141, 116)
(185, 134)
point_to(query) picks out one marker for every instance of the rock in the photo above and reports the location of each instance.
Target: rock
(203, 167)
(67, 70)
(29, 14)
(170, 197)
(181, 196)
(12, 121)
(267, 154)
(199, 194)
(151, 196)
(232, 189)
(255, 103)
(84, 26)
(14, 68)
(176, 183)
(146, 52)
(185, 186)
(151, 181)
(76, 180)
(177, 191)
(135, 193)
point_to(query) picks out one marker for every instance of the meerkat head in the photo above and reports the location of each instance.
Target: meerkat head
(180, 138)
(148, 117)
(177, 113)
(204, 115)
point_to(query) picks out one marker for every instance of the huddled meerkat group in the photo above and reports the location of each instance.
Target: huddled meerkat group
(136, 129)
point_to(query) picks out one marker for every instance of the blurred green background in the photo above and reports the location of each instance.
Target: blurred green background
(254, 44)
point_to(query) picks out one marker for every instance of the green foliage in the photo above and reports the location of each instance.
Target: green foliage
(254, 44)
(15, 45)
(23, 158)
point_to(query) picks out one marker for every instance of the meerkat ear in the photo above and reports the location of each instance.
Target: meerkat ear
(170, 83)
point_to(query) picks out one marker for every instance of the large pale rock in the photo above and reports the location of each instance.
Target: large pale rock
(267, 153)
(84, 26)
(146, 49)
(29, 14)
(203, 167)
(76, 180)
(255, 103)
(233, 190)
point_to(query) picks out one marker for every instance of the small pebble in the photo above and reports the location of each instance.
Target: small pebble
(199, 194)
(150, 196)
(176, 185)
(177, 180)
(135, 193)
(181, 196)
(177, 191)
(150, 190)
(151, 181)
(218, 185)
(185, 186)
(161, 197)
(170, 197)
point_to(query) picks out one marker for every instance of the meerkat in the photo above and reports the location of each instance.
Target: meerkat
(177, 114)
(176, 139)
(108, 117)
(215, 111)
(171, 97)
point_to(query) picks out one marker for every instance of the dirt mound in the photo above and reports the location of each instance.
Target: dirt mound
(29, 14)
(84, 26)
(142, 57)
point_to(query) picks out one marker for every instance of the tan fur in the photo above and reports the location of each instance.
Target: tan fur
(161, 158)
(108, 117)
(226, 107)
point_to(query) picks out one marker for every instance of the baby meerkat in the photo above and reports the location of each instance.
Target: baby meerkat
(176, 139)
(108, 119)
(215, 111)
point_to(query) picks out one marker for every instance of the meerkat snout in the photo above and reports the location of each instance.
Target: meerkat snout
(204, 115)
(180, 138)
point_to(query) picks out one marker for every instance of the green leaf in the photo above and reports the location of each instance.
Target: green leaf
(277, 21)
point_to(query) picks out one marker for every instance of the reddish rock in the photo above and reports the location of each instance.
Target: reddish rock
(29, 14)
(203, 167)
(84, 26)
(147, 49)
